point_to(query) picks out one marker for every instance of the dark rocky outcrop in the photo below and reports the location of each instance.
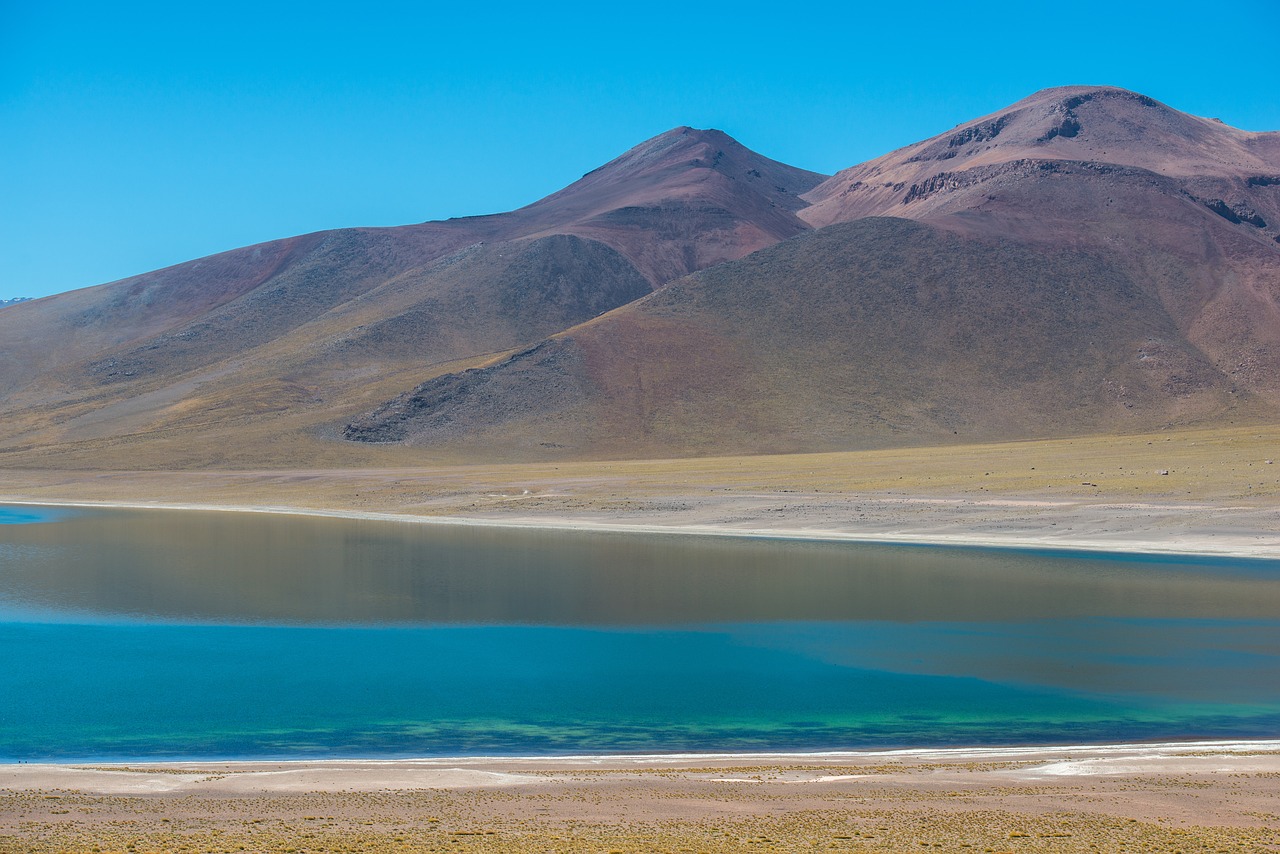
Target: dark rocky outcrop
(542, 379)
(1067, 128)
(1238, 213)
(978, 133)
(927, 188)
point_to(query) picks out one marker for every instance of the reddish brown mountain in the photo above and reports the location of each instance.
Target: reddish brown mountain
(681, 202)
(1074, 124)
(1087, 260)
(300, 328)
(1188, 207)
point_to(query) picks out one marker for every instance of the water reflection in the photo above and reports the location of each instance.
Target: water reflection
(1202, 661)
(204, 634)
(235, 568)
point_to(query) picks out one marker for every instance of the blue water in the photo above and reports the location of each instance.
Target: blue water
(163, 634)
(15, 514)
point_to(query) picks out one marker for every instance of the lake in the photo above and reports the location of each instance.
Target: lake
(194, 634)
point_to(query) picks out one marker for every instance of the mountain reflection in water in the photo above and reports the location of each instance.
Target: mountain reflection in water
(237, 568)
(204, 634)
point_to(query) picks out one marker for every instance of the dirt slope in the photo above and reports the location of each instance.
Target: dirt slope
(873, 333)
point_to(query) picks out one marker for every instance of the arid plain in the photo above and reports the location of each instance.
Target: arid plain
(1206, 491)
(1167, 798)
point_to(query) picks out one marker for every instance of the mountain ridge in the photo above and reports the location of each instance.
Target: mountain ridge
(292, 326)
(1087, 259)
(1174, 210)
(1104, 125)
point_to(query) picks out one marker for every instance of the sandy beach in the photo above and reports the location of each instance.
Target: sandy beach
(1205, 796)
(1134, 527)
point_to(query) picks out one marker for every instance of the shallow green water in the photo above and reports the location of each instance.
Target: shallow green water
(193, 634)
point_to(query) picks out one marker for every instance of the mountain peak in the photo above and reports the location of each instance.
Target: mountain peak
(1084, 93)
(1099, 126)
(679, 148)
(686, 133)
(683, 164)
(1108, 113)
(1092, 123)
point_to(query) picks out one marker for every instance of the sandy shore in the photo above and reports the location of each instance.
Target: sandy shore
(1158, 797)
(370, 775)
(1132, 527)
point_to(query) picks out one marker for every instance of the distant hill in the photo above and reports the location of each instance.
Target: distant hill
(14, 301)
(1086, 260)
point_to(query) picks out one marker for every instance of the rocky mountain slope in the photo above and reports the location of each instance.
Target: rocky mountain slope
(303, 328)
(1087, 260)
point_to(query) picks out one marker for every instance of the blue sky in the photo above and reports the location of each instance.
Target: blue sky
(135, 135)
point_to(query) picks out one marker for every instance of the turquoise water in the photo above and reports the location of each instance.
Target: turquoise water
(19, 515)
(203, 635)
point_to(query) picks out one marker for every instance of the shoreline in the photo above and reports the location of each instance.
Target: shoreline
(1234, 550)
(1184, 796)
(355, 774)
(973, 753)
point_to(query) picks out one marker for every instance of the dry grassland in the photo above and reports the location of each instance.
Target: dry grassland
(1210, 490)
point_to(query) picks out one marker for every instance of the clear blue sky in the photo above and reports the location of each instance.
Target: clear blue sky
(135, 135)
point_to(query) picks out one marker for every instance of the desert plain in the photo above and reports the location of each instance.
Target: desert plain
(1169, 797)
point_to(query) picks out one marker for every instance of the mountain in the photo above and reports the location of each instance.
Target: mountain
(1118, 133)
(1087, 260)
(1187, 206)
(274, 340)
(680, 202)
